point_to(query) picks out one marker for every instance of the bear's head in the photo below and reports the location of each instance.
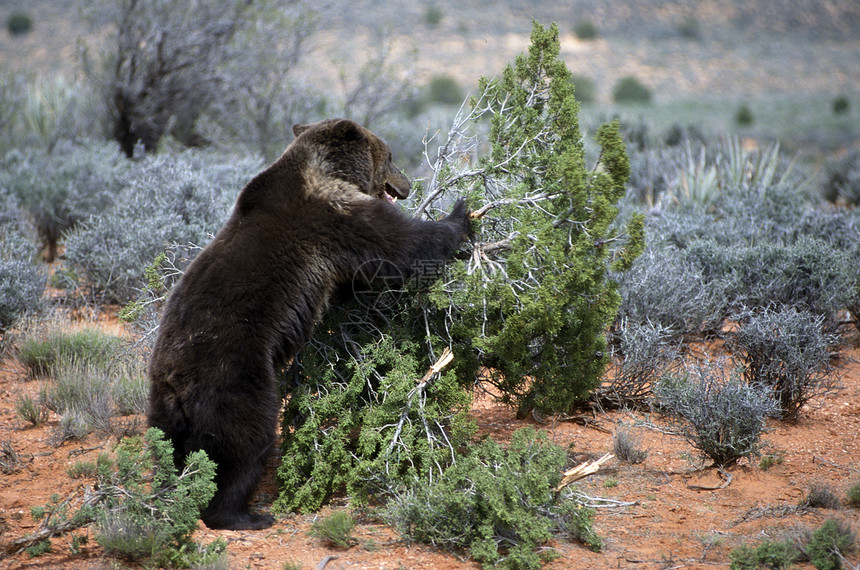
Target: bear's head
(348, 151)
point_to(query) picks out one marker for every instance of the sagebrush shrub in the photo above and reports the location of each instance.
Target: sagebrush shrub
(626, 447)
(808, 274)
(757, 254)
(21, 286)
(820, 496)
(842, 179)
(59, 189)
(723, 418)
(668, 290)
(22, 279)
(785, 351)
(80, 395)
(498, 503)
(652, 172)
(641, 353)
(180, 198)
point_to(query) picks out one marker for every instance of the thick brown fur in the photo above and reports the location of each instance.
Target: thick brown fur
(300, 231)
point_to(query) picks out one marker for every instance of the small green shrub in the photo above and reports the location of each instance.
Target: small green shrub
(19, 23)
(584, 89)
(586, 30)
(43, 354)
(334, 530)
(498, 503)
(690, 29)
(853, 495)
(841, 105)
(722, 418)
(820, 496)
(768, 554)
(31, 410)
(433, 15)
(82, 470)
(445, 89)
(769, 460)
(78, 541)
(159, 509)
(744, 116)
(830, 542)
(40, 548)
(630, 90)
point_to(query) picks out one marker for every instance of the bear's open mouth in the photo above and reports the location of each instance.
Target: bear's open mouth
(392, 194)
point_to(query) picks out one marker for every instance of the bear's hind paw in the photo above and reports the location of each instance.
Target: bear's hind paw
(238, 521)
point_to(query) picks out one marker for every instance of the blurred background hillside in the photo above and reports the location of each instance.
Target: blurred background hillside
(762, 70)
(722, 48)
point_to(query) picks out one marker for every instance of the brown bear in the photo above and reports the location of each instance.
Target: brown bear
(300, 231)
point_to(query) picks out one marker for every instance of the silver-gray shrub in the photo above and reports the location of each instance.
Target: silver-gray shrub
(842, 179)
(641, 354)
(755, 246)
(787, 352)
(13, 97)
(182, 198)
(667, 289)
(722, 417)
(22, 278)
(58, 189)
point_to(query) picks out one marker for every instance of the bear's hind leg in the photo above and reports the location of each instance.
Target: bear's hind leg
(236, 482)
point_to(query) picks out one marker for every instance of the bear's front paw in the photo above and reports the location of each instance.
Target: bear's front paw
(461, 219)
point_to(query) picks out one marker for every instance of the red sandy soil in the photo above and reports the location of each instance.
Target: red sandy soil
(668, 525)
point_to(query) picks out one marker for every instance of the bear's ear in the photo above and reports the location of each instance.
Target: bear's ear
(347, 130)
(299, 129)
